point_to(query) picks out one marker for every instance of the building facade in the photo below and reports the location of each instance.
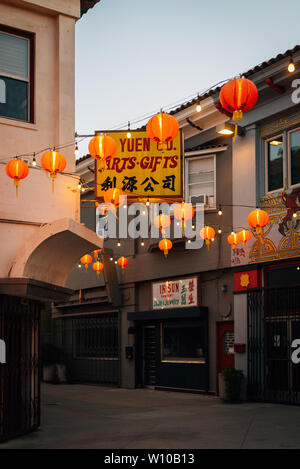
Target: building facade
(245, 307)
(266, 174)
(37, 227)
(166, 348)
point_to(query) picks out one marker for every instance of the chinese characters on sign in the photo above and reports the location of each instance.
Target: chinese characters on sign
(175, 293)
(141, 170)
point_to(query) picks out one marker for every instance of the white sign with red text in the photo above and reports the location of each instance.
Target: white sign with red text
(175, 293)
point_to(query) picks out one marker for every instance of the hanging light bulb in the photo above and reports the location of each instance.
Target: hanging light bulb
(295, 215)
(76, 151)
(118, 244)
(33, 160)
(219, 231)
(291, 66)
(198, 107)
(128, 135)
(79, 184)
(220, 211)
(142, 243)
(147, 203)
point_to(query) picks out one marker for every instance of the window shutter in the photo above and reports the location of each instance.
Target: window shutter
(13, 56)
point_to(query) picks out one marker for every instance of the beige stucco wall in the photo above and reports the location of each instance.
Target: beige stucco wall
(53, 23)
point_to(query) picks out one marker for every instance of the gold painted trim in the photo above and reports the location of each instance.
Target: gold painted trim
(279, 125)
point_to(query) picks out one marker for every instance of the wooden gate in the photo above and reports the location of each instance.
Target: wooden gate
(19, 376)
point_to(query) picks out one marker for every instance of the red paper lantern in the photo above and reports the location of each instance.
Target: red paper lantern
(162, 222)
(54, 163)
(96, 253)
(114, 197)
(98, 266)
(245, 236)
(234, 239)
(258, 219)
(183, 212)
(86, 260)
(207, 233)
(17, 170)
(237, 96)
(165, 245)
(122, 262)
(102, 148)
(162, 128)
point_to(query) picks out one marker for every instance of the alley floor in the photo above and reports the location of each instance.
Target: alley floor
(83, 416)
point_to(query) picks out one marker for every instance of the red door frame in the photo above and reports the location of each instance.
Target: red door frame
(227, 326)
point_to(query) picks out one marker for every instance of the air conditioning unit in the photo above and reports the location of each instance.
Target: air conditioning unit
(199, 199)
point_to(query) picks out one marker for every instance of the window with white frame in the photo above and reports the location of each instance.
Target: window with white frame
(15, 80)
(283, 161)
(201, 180)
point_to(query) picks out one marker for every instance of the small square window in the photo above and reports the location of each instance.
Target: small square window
(201, 181)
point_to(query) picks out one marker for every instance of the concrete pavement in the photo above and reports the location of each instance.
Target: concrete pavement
(83, 416)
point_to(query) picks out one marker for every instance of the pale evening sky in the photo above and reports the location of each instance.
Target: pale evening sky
(135, 56)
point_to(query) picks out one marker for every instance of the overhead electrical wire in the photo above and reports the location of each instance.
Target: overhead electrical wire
(168, 107)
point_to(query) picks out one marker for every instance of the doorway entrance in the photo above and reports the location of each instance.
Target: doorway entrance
(225, 331)
(149, 355)
(19, 376)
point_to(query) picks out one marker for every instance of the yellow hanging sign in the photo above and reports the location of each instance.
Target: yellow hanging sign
(141, 170)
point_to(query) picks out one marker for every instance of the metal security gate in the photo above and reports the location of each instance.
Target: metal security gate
(19, 376)
(273, 324)
(149, 356)
(92, 347)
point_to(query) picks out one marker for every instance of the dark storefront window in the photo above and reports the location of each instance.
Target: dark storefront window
(96, 336)
(183, 342)
(283, 276)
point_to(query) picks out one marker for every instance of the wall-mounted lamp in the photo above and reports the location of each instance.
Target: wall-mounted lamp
(228, 129)
(225, 129)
